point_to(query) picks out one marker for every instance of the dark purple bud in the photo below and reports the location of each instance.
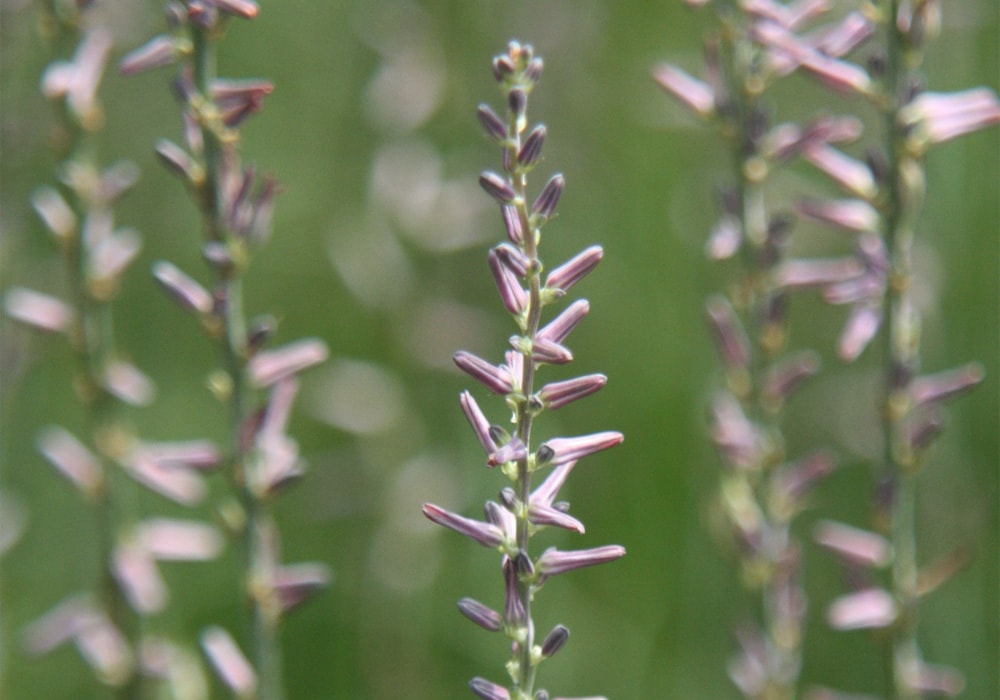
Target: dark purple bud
(513, 609)
(512, 451)
(502, 68)
(563, 324)
(493, 513)
(496, 379)
(497, 187)
(523, 564)
(259, 332)
(485, 690)
(554, 561)
(555, 640)
(532, 147)
(570, 449)
(558, 394)
(485, 617)
(517, 100)
(513, 296)
(238, 99)
(486, 534)
(575, 269)
(508, 497)
(545, 206)
(492, 123)
(512, 222)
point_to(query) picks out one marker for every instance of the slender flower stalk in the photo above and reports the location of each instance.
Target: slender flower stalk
(762, 490)
(884, 197)
(524, 510)
(111, 625)
(236, 206)
(78, 213)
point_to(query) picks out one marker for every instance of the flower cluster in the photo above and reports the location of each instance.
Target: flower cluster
(107, 466)
(523, 510)
(878, 209)
(882, 200)
(763, 489)
(236, 205)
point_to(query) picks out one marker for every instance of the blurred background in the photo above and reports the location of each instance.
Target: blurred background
(380, 250)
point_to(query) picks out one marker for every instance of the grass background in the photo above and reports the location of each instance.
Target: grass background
(380, 249)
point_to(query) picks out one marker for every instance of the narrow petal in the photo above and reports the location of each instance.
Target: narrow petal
(555, 395)
(178, 540)
(545, 493)
(296, 584)
(540, 514)
(229, 663)
(562, 325)
(872, 608)
(853, 544)
(575, 269)
(554, 561)
(270, 367)
(558, 451)
(693, 93)
(496, 379)
(478, 421)
(485, 617)
(71, 458)
(42, 311)
(484, 533)
(486, 690)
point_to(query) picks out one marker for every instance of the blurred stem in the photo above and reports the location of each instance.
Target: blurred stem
(902, 338)
(260, 621)
(755, 299)
(92, 340)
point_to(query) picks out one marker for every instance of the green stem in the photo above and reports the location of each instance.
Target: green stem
(261, 621)
(902, 347)
(526, 669)
(746, 87)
